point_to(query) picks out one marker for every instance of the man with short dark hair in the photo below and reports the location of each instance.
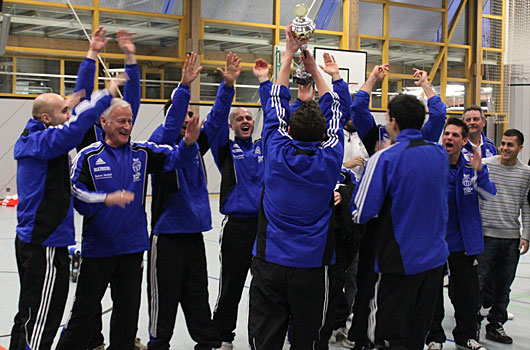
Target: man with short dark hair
(503, 242)
(293, 249)
(405, 186)
(468, 179)
(375, 137)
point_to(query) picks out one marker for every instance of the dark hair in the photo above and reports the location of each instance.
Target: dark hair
(308, 123)
(515, 132)
(473, 108)
(458, 122)
(408, 111)
(167, 105)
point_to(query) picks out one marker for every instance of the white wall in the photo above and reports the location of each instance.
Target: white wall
(520, 106)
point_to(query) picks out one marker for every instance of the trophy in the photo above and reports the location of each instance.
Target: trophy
(303, 28)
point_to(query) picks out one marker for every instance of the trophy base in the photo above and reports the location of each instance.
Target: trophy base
(303, 81)
(302, 78)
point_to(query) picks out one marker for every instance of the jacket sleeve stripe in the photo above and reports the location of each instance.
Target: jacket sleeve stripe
(88, 197)
(170, 107)
(86, 104)
(482, 192)
(333, 128)
(360, 197)
(280, 111)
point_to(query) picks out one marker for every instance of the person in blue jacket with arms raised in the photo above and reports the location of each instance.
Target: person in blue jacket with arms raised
(294, 248)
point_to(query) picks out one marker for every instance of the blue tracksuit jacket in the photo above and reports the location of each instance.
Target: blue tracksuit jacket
(405, 185)
(299, 178)
(240, 163)
(370, 133)
(131, 94)
(180, 198)
(100, 169)
(465, 234)
(45, 211)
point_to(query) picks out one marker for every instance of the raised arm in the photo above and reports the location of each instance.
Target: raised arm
(291, 47)
(363, 120)
(311, 67)
(306, 93)
(132, 89)
(216, 125)
(168, 158)
(55, 141)
(432, 130)
(329, 104)
(340, 87)
(87, 68)
(169, 130)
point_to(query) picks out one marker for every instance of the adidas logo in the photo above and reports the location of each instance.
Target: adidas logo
(100, 161)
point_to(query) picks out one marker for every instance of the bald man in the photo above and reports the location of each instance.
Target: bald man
(45, 216)
(240, 162)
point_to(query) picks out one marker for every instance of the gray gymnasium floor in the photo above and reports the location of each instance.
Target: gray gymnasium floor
(9, 285)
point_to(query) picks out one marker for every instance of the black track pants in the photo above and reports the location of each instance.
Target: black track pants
(43, 273)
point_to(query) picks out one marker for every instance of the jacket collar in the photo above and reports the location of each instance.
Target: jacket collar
(409, 134)
(35, 125)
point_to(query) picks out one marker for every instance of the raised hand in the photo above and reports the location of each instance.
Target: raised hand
(74, 99)
(261, 70)
(97, 42)
(126, 44)
(331, 67)
(232, 69)
(309, 62)
(115, 83)
(421, 75)
(305, 93)
(423, 81)
(379, 72)
(119, 198)
(193, 129)
(189, 73)
(476, 160)
(291, 44)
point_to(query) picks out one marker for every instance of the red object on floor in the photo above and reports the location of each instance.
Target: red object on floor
(10, 202)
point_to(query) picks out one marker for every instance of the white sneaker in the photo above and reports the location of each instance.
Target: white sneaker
(435, 346)
(226, 346)
(348, 343)
(471, 344)
(510, 316)
(138, 344)
(484, 312)
(339, 335)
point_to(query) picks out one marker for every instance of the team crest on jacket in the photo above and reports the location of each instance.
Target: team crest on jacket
(136, 166)
(237, 152)
(468, 184)
(488, 153)
(258, 152)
